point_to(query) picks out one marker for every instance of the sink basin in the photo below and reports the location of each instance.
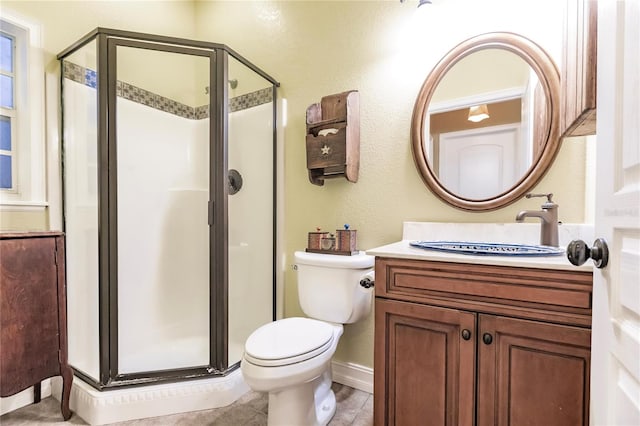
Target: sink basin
(488, 249)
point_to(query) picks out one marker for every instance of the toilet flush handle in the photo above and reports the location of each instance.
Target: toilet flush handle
(368, 280)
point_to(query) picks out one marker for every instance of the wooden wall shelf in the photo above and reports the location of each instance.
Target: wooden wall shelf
(333, 137)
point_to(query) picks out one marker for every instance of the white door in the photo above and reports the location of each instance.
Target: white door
(615, 371)
(480, 163)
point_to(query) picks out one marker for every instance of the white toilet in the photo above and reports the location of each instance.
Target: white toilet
(291, 358)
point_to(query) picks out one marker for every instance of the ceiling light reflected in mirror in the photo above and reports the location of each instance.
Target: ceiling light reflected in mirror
(477, 113)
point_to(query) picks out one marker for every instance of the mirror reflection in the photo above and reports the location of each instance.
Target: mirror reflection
(510, 88)
(486, 124)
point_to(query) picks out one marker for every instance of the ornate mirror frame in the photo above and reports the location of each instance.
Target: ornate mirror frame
(549, 78)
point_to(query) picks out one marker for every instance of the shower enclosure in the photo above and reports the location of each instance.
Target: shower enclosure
(169, 206)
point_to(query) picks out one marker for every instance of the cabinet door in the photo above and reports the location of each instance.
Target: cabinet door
(578, 78)
(532, 373)
(424, 368)
(29, 336)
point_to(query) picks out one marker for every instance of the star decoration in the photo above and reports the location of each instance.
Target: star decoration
(325, 150)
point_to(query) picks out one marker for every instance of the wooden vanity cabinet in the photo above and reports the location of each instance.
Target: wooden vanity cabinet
(532, 373)
(424, 372)
(578, 70)
(33, 319)
(461, 344)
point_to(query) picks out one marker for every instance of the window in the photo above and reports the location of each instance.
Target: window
(7, 110)
(22, 147)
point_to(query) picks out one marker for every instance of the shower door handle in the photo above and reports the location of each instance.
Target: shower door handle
(210, 214)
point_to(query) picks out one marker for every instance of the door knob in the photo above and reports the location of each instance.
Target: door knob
(579, 252)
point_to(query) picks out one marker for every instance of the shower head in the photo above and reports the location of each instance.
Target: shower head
(233, 83)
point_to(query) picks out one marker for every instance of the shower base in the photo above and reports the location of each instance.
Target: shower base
(98, 408)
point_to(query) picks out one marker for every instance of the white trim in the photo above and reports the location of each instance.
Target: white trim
(54, 173)
(480, 98)
(24, 398)
(354, 375)
(118, 405)
(97, 407)
(29, 151)
(23, 206)
(281, 257)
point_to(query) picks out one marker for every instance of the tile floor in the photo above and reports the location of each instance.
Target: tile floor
(355, 408)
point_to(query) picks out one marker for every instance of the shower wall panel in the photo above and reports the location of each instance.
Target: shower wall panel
(163, 252)
(80, 159)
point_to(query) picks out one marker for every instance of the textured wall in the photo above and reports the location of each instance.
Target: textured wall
(316, 48)
(384, 51)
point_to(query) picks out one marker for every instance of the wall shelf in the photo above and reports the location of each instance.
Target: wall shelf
(333, 137)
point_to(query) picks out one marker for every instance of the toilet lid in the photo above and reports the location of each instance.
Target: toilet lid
(288, 341)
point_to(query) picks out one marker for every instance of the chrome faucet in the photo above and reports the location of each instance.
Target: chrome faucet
(549, 217)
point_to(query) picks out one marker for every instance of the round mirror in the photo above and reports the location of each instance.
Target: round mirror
(485, 124)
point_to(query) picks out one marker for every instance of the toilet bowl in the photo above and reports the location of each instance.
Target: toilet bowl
(291, 358)
(293, 375)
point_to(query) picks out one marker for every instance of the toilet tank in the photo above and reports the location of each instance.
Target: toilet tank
(329, 286)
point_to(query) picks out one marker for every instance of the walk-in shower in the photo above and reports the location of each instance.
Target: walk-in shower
(169, 206)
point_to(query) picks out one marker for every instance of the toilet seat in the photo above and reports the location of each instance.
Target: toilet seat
(288, 341)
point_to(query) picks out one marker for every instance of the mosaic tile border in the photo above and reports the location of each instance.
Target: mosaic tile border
(251, 100)
(201, 112)
(88, 77)
(150, 99)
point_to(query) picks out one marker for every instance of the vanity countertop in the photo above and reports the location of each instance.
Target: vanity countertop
(403, 250)
(517, 233)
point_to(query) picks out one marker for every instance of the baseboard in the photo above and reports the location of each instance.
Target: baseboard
(354, 375)
(111, 406)
(24, 398)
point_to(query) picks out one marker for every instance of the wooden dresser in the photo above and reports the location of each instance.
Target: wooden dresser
(33, 316)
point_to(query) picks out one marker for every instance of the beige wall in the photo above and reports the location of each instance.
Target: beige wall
(483, 72)
(21, 220)
(316, 48)
(319, 48)
(64, 22)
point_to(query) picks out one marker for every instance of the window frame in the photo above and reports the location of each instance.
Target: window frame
(28, 190)
(10, 113)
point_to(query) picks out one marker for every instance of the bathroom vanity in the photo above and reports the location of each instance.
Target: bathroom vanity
(480, 340)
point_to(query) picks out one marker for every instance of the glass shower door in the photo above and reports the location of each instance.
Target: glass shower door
(162, 188)
(251, 205)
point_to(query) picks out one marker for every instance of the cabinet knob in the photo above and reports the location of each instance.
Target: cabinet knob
(487, 338)
(466, 334)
